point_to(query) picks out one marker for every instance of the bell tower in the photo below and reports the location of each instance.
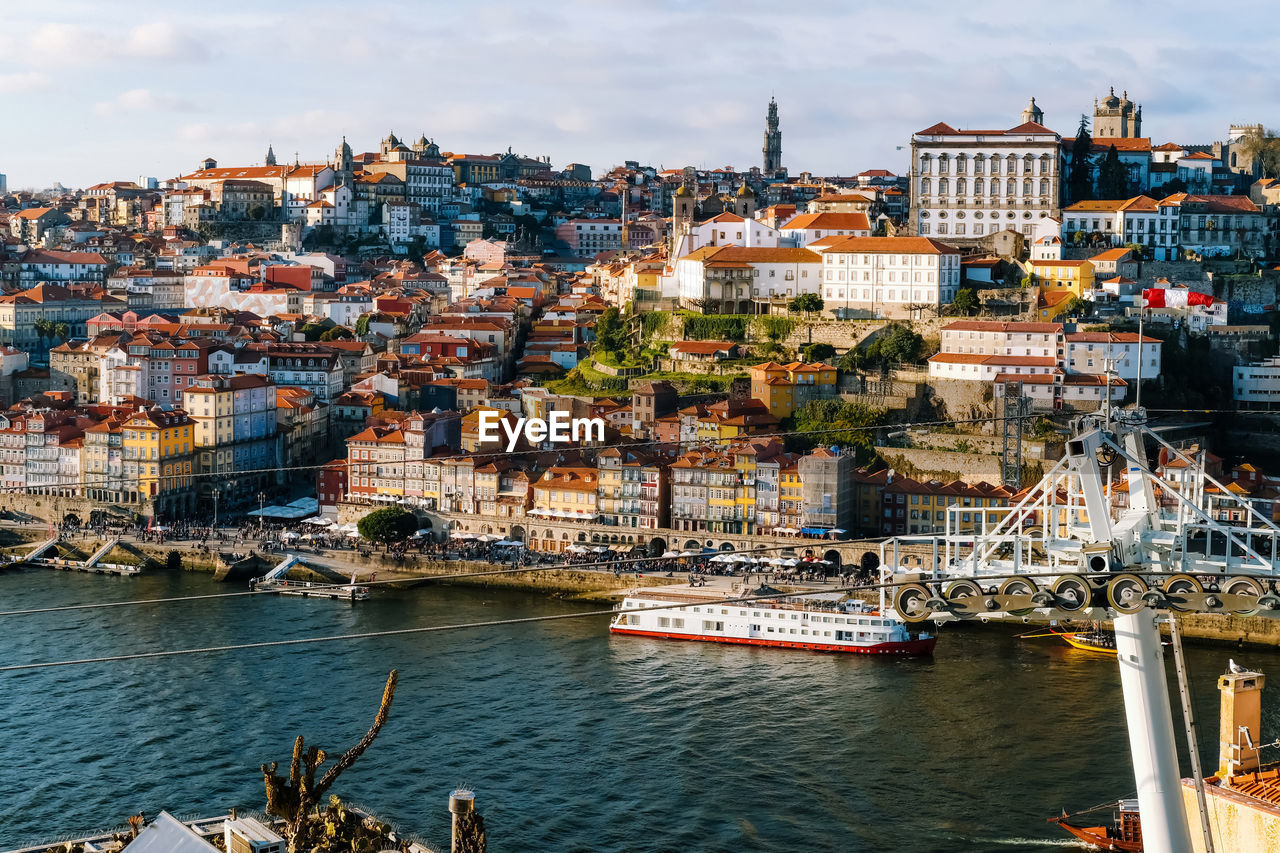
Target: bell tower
(1033, 113)
(772, 141)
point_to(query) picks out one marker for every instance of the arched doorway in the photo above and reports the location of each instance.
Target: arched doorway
(832, 556)
(869, 562)
(691, 545)
(516, 534)
(726, 546)
(657, 547)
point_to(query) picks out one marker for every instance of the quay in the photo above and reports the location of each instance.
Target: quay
(94, 564)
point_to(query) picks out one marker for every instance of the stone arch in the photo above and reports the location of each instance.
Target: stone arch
(517, 533)
(564, 537)
(726, 546)
(869, 562)
(691, 545)
(595, 539)
(833, 557)
(657, 547)
(582, 537)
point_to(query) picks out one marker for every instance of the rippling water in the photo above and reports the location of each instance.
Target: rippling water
(574, 741)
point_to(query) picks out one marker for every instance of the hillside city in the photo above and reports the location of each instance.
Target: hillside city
(774, 353)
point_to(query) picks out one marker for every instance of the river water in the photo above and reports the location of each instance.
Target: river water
(573, 740)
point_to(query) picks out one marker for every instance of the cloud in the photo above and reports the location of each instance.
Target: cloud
(162, 40)
(142, 101)
(23, 83)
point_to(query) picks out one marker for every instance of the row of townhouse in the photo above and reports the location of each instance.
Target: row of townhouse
(234, 435)
(1056, 367)
(1208, 224)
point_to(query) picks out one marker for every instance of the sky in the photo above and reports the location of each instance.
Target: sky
(93, 91)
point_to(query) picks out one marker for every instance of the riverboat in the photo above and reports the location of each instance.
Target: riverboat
(825, 622)
(1123, 833)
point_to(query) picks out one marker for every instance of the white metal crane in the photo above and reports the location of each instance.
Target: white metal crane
(1103, 536)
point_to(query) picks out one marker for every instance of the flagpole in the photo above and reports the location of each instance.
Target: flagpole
(1141, 302)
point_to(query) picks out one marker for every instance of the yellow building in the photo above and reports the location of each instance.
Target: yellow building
(157, 448)
(784, 388)
(566, 491)
(1057, 275)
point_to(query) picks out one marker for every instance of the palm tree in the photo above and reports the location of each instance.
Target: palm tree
(43, 329)
(61, 331)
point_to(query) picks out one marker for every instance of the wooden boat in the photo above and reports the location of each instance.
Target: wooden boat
(1096, 641)
(1124, 833)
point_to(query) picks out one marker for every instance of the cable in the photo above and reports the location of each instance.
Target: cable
(398, 632)
(315, 466)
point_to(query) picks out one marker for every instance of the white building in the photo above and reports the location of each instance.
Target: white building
(889, 276)
(1135, 220)
(726, 229)
(1094, 352)
(807, 227)
(1257, 386)
(966, 184)
(736, 276)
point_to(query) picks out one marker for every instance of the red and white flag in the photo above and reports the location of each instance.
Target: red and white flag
(1174, 298)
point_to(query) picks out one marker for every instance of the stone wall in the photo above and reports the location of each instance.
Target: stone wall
(946, 464)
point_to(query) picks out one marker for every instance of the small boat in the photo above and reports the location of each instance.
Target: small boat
(1124, 833)
(824, 622)
(1096, 641)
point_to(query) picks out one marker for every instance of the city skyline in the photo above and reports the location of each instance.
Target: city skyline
(695, 82)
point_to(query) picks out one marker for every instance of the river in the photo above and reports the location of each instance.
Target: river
(573, 740)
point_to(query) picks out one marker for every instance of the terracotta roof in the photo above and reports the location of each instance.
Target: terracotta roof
(829, 221)
(900, 245)
(998, 326)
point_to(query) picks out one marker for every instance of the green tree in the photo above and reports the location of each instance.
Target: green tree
(43, 328)
(611, 333)
(387, 525)
(1078, 307)
(337, 333)
(898, 343)
(822, 423)
(362, 325)
(1261, 147)
(1168, 188)
(817, 352)
(1079, 177)
(61, 331)
(1113, 180)
(805, 303)
(312, 331)
(966, 301)
(257, 213)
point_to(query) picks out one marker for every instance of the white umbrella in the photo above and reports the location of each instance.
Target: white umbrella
(666, 555)
(778, 561)
(488, 537)
(723, 558)
(289, 534)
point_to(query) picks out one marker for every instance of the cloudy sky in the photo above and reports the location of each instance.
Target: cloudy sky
(93, 91)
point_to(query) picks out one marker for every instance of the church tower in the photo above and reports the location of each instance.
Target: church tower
(343, 163)
(772, 141)
(744, 202)
(1117, 117)
(681, 218)
(271, 156)
(1033, 113)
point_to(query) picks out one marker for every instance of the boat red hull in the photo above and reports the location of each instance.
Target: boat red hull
(910, 647)
(1098, 837)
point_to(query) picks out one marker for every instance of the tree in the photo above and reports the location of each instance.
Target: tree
(1080, 178)
(61, 331)
(387, 525)
(43, 328)
(611, 333)
(821, 423)
(295, 799)
(1077, 307)
(817, 352)
(312, 331)
(1261, 148)
(805, 303)
(898, 343)
(362, 325)
(257, 213)
(1168, 188)
(966, 301)
(1113, 180)
(337, 333)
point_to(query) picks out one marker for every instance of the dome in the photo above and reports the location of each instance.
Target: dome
(1111, 101)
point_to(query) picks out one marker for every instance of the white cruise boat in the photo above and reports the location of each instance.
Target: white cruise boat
(824, 622)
